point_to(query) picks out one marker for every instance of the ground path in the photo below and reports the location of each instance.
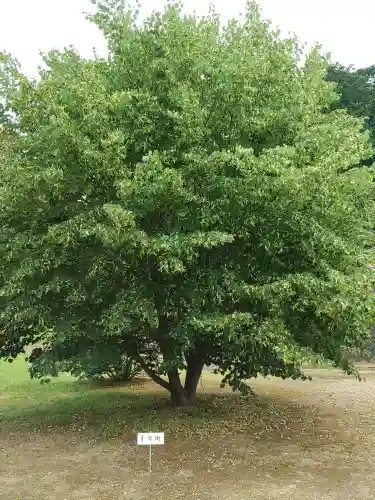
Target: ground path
(298, 441)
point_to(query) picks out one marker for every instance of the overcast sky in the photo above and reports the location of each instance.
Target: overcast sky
(343, 27)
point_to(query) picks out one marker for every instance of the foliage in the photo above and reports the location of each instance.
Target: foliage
(357, 95)
(97, 362)
(99, 366)
(185, 198)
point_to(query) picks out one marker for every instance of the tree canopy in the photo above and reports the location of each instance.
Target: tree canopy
(357, 94)
(183, 202)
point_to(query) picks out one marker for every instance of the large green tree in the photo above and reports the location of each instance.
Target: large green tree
(184, 200)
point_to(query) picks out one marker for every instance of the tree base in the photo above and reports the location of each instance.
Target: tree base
(183, 400)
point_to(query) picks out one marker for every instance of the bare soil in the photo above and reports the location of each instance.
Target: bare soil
(296, 441)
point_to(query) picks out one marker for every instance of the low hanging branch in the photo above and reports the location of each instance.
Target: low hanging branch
(152, 374)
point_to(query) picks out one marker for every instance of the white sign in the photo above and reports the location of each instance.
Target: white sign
(150, 438)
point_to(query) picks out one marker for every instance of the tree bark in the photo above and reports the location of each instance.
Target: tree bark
(178, 393)
(195, 364)
(181, 395)
(186, 395)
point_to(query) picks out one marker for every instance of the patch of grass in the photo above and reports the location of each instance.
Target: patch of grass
(73, 439)
(66, 404)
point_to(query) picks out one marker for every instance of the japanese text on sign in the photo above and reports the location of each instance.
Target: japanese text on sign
(150, 438)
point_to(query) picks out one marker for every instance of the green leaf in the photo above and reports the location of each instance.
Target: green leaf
(184, 201)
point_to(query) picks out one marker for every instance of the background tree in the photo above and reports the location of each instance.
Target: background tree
(184, 200)
(357, 95)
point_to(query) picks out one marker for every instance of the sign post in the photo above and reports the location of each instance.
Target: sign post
(150, 439)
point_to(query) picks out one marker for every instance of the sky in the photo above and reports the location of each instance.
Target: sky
(343, 27)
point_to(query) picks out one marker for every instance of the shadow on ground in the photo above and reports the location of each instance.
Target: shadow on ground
(294, 440)
(108, 412)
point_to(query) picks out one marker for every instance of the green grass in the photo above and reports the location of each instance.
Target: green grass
(72, 439)
(67, 402)
(101, 411)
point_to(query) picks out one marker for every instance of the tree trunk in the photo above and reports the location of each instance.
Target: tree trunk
(195, 364)
(178, 395)
(186, 395)
(181, 395)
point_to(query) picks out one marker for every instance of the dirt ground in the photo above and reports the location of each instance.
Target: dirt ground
(296, 441)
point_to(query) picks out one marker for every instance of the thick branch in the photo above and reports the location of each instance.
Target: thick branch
(152, 374)
(195, 364)
(174, 378)
(178, 393)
